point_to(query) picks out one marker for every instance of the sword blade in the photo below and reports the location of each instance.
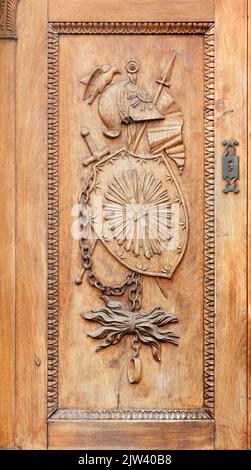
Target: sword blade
(166, 76)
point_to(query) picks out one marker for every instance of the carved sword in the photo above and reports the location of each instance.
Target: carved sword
(95, 154)
(165, 81)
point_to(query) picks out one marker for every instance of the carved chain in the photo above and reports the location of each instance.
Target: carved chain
(132, 282)
(85, 193)
(135, 291)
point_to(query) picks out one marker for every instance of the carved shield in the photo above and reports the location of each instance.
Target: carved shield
(138, 212)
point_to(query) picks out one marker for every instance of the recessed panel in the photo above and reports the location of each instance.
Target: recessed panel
(170, 155)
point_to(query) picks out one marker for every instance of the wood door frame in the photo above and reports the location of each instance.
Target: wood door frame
(249, 230)
(7, 227)
(24, 289)
(231, 228)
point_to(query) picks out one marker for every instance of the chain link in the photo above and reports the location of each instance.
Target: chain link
(106, 289)
(85, 193)
(133, 280)
(135, 346)
(135, 291)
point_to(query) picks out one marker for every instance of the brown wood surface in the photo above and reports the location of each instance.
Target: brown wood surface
(7, 241)
(131, 10)
(31, 225)
(249, 227)
(99, 380)
(231, 226)
(126, 435)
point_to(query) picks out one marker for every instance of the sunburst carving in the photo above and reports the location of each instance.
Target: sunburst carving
(175, 28)
(138, 210)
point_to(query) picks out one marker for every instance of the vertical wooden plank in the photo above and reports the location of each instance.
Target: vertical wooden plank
(231, 230)
(31, 226)
(7, 241)
(249, 224)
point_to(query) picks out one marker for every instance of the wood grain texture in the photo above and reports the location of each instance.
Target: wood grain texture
(139, 10)
(231, 220)
(127, 435)
(8, 19)
(99, 380)
(81, 370)
(7, 242)
(31, 225)
(249, 226)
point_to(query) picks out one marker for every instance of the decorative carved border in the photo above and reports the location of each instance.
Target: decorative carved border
(53, 216)
(8, 19)
(129, 28)
(55, 30)
(209, 224)
(149, 415)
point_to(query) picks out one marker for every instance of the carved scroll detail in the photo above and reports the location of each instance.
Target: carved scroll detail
(206, 29)
(8, 19)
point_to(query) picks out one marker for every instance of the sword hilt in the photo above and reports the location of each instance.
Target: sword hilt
(162, 82)
(95, 154)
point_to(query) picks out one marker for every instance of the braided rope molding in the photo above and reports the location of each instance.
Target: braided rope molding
(56, 29)
(137, 414)
(209, 229)
(8, 19)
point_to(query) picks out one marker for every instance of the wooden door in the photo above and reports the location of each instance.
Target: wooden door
(123, 250)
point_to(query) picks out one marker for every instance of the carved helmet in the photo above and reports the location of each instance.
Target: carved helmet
(125, 102)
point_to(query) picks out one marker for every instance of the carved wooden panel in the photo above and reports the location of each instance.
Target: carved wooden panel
(8, 18)
(131, 121)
